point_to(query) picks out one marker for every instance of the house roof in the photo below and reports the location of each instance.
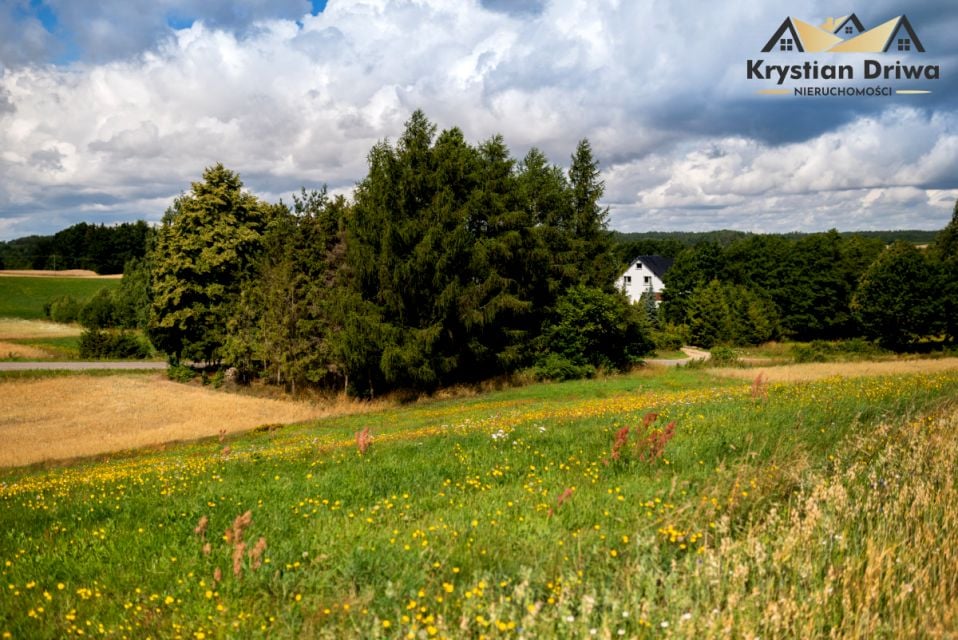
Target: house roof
(656, 264)
(836, 25)
(879, 39)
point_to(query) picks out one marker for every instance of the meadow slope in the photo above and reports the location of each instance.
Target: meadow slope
(818, 509)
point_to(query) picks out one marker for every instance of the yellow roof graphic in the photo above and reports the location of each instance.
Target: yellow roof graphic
(813, 38)
(872, 41)
(831, 24)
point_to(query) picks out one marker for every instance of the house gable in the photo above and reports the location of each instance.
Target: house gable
(644, 274)
(851, 22)
(903, 38)
(785, 36)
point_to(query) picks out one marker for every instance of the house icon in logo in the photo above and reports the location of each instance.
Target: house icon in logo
(844, 35)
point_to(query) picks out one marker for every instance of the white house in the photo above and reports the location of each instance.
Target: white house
(645, 273)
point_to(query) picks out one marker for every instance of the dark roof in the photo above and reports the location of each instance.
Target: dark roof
(656, 264)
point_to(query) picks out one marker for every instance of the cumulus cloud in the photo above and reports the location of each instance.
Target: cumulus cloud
(881, 172)
(291, 99)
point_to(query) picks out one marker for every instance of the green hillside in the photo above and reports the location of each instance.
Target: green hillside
(24, 297)
(531, 513)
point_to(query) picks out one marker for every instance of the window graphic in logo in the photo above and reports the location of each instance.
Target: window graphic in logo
(844, 35)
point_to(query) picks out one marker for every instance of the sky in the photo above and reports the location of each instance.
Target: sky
(109, 109)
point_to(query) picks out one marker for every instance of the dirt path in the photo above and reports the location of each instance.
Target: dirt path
(693, 353)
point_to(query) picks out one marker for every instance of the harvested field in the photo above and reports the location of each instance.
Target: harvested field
(54, 419)
(67, 273)
(12, 350)
(818, 370)
(18, 329)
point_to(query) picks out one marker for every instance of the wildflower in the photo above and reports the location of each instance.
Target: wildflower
(363, 439)
(238, 550)
(256, 553)
(200, 529)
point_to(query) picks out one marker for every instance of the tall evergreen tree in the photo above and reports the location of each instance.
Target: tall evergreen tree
(592, 242)
(205, 248)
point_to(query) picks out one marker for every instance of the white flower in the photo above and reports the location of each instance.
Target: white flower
(665, 624)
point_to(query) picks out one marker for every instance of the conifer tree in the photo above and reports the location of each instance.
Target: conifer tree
(204, 250)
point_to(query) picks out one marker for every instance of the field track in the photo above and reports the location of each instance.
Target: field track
(807, 372)
(66, 273)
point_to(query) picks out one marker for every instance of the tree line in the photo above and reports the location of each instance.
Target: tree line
(97, 247)
(453, 263)
(813, 287)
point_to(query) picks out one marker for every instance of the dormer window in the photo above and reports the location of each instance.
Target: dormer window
(786, 44)
(904, 44)
(848, 30)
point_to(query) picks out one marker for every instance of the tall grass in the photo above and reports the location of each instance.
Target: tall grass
(810, 510)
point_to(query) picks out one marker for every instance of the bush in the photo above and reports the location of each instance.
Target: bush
(98, 344)
(98, 313)
(556, 367)
(64, 309)
(592, 328)
(723, 356)
(672, 337)
(180, 373)
(807, 353)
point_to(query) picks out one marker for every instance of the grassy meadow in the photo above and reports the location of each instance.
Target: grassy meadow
(810, 509)
(24, 296)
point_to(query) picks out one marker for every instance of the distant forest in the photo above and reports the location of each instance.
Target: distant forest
(96, 247)
(106, 249)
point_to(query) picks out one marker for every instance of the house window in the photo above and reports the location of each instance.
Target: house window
(904, 44)
(627, 280)
(638, 265)
(647, 280)
(786, 44)
(848, 29)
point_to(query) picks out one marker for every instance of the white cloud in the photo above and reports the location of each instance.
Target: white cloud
(290, 104)
(873, 173)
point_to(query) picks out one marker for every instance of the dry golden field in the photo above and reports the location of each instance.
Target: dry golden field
(66, 273)
(11, 350)
(19, 329)
(817, 370)
(75, 416)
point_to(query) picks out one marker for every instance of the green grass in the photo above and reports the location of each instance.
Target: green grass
(24, 297)
(451, 524)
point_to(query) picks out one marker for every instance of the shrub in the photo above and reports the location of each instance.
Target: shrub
(97, 344)
(807, 353)
(556, 367)
(98, 313)
(180, 373)
(64, 309)
(672, 337)
(723, 356)
(593, 329)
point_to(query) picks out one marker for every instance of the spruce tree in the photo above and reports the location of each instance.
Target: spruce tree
(204, 249)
